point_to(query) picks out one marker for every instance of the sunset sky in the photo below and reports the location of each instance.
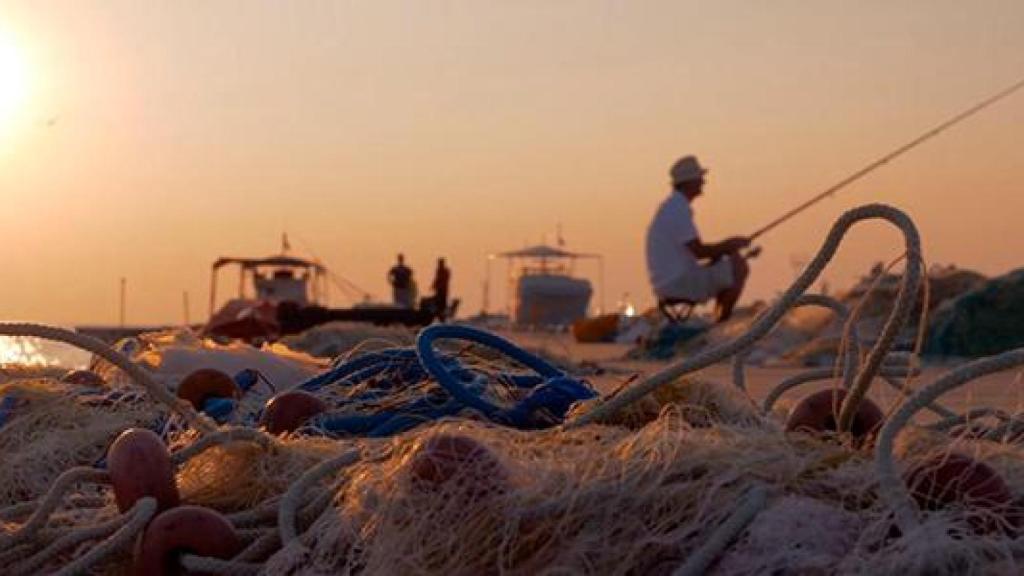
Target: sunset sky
(143, 139)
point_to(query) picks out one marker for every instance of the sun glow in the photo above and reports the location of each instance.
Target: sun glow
(13, 80)
(21, 351)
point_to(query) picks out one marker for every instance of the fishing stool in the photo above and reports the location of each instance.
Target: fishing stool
(676, 310)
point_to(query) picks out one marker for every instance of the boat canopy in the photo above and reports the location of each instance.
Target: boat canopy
(280, 260)
(282, 284)
(543, 280)
(545, 251)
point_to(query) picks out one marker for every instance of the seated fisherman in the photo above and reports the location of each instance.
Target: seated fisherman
(680, 266)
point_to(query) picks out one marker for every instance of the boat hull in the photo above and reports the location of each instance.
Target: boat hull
(551, 300)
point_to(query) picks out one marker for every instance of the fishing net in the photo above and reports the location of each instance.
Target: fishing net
(59, 425)
(526, 470)
(340, 338)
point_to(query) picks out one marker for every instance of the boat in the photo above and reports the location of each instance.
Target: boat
(275, 281)
(284, 294)
(279, 295)
(545, 292)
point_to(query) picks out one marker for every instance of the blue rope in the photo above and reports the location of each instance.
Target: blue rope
(393, 403)
(360, 369)
(7, 405)
(219, 409)
(429, 359)
(554, 396)
(380, 410)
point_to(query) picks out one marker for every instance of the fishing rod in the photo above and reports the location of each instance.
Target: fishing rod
(891, 155)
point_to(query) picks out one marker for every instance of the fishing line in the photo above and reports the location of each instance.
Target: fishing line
(890, 156)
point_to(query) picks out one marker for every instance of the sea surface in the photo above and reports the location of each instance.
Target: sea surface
(28, 351)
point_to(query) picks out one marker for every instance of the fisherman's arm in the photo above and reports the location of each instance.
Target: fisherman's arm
(717, 249)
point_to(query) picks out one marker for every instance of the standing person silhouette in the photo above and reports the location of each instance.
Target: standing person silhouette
(403, 287)
(681, 267)
(442, 279)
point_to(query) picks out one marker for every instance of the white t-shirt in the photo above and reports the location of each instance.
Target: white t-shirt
(671, 229)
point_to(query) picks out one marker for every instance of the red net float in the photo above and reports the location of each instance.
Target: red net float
(819, 412)
(450, 459)
(289, 410)
(84, 378)
(947, 480)
(207, 383)
(184, 530)
(140, 465)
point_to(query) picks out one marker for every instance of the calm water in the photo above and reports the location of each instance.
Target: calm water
(38, 352)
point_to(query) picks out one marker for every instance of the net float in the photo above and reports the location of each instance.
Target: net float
(819, 412)
(287, 411)
(447, 458)
(952, 479)
(206, 383)
(140, 465)
(84, 378)
(184, 530)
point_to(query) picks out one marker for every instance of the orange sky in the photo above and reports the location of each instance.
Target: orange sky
(158, 136)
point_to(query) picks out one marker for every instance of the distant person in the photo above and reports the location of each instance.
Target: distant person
(403, 287)
(680, 266)
(442, 279)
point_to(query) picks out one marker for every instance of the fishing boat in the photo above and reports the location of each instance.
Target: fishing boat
(284, 294)
(264, 285)
(544, 290)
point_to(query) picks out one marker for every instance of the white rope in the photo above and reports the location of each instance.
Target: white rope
(16, 554)
(286, 521)
(145, 509)
(899, 383)
(15, 511)
(852, 355)
(206, 565)
(1007, 431)
(50, 501)
(814, 375)
(101, 349)
(124, 528)
(972, 414)
(701, 559)
(222, 437)
(890, 484)
(765, 323)
(263, 546)
(255, 516)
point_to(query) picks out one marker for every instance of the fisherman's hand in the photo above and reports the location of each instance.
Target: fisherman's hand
(736, 243)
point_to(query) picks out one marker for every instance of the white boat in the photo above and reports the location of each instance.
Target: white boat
(544, 291)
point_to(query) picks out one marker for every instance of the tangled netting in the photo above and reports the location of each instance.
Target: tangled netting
(466, 455)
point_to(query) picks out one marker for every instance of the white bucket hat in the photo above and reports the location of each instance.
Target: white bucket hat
(687, 169)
